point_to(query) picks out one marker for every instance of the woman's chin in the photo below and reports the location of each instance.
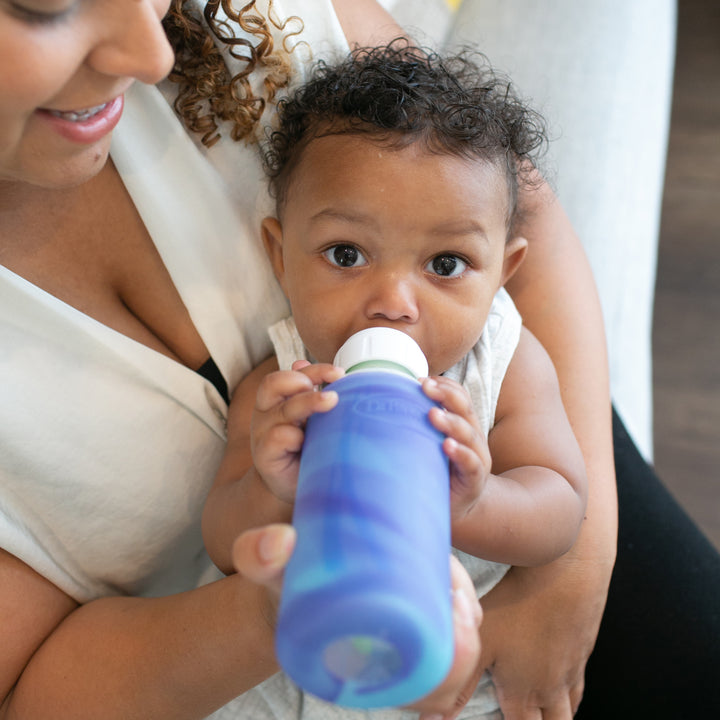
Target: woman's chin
(61, 172)
(78, 173)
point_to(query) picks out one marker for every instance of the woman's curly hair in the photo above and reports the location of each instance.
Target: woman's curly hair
(399, 94)
(208, 93)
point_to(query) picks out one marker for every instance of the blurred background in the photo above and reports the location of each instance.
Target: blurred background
(686, 329)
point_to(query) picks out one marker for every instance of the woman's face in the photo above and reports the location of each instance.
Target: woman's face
(64, 66)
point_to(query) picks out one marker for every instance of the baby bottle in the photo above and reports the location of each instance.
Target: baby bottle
(365, 615)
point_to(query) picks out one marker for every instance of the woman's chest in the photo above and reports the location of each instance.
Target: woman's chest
(88, 247)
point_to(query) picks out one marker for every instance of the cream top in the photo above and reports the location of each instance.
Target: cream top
(108, 448)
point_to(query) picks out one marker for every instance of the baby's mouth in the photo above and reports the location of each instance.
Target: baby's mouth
(78, 115)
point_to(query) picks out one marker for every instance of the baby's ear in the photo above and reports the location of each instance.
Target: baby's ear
(272, 237)
(515, 251)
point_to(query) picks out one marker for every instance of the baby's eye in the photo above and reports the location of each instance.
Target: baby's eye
(345, 256)
(446, 265)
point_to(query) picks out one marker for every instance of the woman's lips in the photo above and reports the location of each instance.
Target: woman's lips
(88, 125)
(79, 115)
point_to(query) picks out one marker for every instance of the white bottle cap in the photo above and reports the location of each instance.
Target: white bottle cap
(385, 345)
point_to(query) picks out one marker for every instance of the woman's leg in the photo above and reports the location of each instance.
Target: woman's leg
(658, 651)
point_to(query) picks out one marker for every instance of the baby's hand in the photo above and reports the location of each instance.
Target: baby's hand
(285, 400)
(465, 445)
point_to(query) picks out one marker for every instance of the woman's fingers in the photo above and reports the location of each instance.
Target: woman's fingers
(559, 708)
(261, 554)
(447, 700)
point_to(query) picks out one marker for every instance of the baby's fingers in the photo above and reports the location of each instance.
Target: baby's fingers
(466, 462)
(319, 373)
(468, 475)
(451, 395)
(279, 386)
(461, 431)
(298, 408)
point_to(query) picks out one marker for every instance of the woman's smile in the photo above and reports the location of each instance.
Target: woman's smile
(85, 126)
(63, 78)
(78, 115)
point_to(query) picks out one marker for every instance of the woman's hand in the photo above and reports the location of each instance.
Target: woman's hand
(539, 630)
(447, 700)
(262, 553)
(541, 623)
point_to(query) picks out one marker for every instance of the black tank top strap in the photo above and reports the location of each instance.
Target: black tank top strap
(210, 371)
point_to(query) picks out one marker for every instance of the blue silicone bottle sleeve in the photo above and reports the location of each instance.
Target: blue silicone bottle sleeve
(365, 615)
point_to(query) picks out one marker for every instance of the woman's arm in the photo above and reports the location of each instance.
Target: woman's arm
(366, 22)
(177, 657)
(555, 293)
(541, 623)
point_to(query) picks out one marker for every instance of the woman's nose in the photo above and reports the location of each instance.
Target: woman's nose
(134, 43)
(393, 298)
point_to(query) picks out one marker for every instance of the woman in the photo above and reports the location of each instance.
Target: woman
(102, 336)
(133, 301)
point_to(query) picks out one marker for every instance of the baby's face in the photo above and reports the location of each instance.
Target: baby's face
(406, 239)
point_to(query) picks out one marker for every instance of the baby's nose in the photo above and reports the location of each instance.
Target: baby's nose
(394, 298)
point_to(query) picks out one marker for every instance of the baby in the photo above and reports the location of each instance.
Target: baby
(396, 176)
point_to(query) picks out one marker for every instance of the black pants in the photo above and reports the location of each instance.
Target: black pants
(658, 652)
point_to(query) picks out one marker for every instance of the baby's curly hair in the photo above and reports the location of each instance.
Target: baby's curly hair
(208, 93)
(399, 94)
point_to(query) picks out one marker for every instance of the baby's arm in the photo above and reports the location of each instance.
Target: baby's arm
(255, 484)
(519, 498)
